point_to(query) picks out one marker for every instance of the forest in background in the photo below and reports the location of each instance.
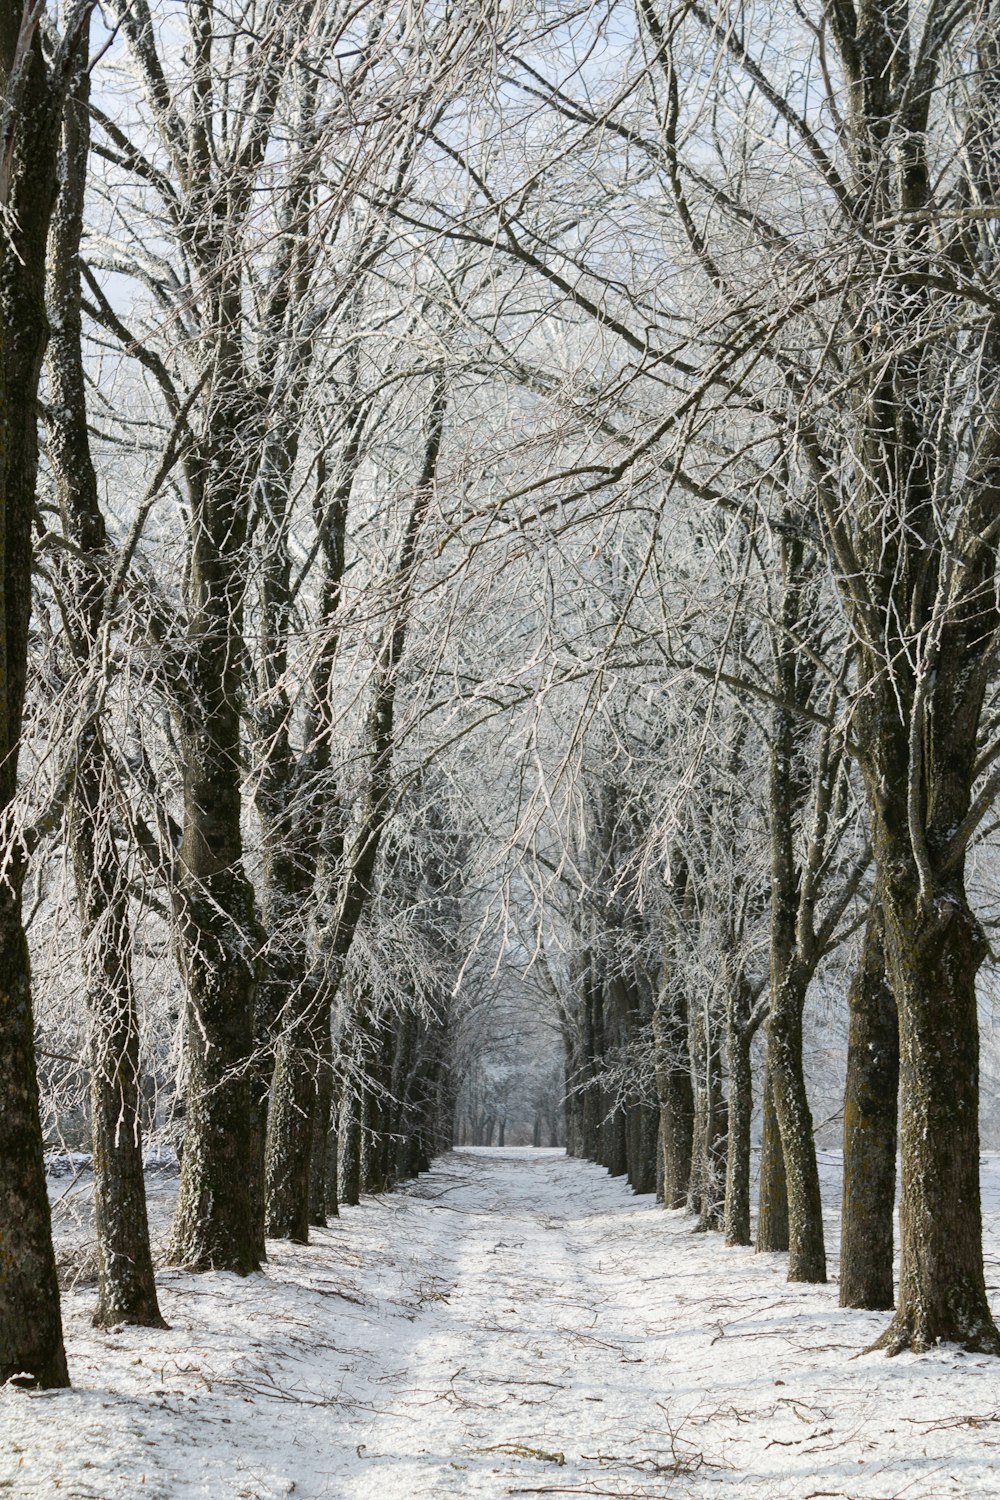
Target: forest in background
(499, 561)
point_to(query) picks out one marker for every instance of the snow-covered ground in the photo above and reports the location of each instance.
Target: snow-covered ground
(514, 1323)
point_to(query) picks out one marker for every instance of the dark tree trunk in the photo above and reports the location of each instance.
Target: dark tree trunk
(737, 1207)
(706, 1190)
(592, 1049)
(933, 957)
(793, 888)
(403, 1081)
(772, 1195)
(126, 1285)
(325, 1149)
(31, 1344)
(574, 1117)
(294, 1093)
(870, 1114)
(744, 1014)
(290, 1127)
(676, 1095)
(614, 1153)
(806, 1253)
(933, 960)
(643, 1130)
(379, 1108)
(323, 1157)
(350, 1151)
(299, 1112)
(425, 1112)
(293, 819)
(215, 1227)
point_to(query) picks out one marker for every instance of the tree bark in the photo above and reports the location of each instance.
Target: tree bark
(870, 1119)
(793, 953)
(291, 1124)
(928, 621)
(806, 1253)
(126, 1288)
(215, 1227)
(737, 1206)
(676, 1095)
(772, 1192)
(706, 1191)
(643, 1128)
(31, 1344)
(323, 1156)
(933, 957)
(350, 1151)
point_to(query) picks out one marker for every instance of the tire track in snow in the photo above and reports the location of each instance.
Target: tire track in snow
(520, 1344)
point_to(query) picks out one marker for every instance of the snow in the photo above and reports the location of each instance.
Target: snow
(513, 1323)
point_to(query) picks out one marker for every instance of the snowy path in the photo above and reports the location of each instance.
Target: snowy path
(514, 1323)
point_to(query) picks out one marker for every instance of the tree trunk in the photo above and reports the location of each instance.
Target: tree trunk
(806, 1253)
(325, 1149)
(737, 1207)
(323, 1156)
(934, 956)
(706, 1192)
(379, 1108)
(676, 1096)
(126, 1288)
(215, 1227)
(350, 1151)
(614, 1154)
(592, 1049)
(643, 1128)
(870, 1113)
(792, 912)
(31, 1344)
(772, 1193)
(574, 1113)
(291, 1121)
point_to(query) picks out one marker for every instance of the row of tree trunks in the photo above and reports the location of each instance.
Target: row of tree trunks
(292, 1134)
(689, 1076)
(620, 1130)
(693, 1112)
(396, 1110)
